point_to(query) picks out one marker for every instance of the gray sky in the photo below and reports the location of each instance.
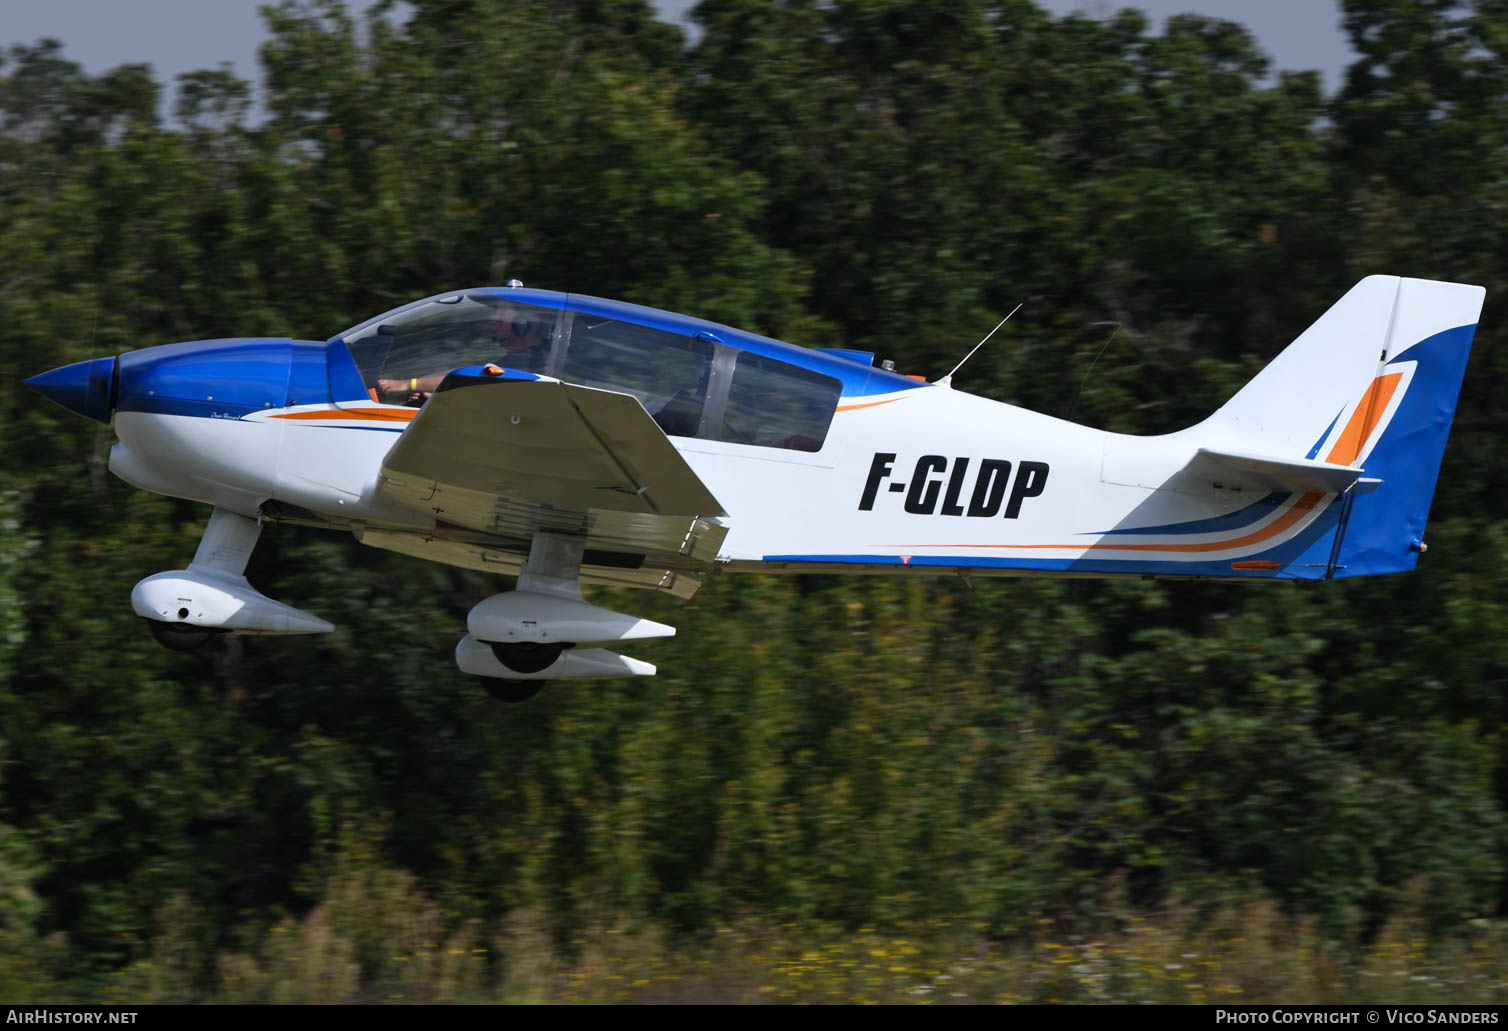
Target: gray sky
(1297, 34)
(176, 36)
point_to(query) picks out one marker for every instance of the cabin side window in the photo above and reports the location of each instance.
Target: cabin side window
(772, 403)
(669, 374)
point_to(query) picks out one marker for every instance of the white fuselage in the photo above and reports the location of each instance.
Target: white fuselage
(956, 476)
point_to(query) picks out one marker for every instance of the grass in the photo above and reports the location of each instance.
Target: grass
(359, 951)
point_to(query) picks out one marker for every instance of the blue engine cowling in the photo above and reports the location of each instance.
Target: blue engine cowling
(222, 379)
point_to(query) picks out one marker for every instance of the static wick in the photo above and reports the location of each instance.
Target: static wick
(947, 381)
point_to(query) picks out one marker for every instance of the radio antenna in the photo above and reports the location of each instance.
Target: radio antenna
(947, 381)
(1075, 402)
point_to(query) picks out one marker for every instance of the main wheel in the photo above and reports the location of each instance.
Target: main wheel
(526, 657)
(513, 690)
(180, 637)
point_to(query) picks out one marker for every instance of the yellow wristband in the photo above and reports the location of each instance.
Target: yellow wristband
(413, 383)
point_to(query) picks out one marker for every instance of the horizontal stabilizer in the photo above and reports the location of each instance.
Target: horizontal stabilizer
(1239, 470)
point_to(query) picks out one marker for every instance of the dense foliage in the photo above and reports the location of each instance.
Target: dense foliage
(817, 752)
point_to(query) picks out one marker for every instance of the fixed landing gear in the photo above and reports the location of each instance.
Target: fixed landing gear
(512, 691)
(544, 630)
(526, 657)
(523, 657)
(180, 637)
(184, 608)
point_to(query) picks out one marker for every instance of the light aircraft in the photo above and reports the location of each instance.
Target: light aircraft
(571, 440)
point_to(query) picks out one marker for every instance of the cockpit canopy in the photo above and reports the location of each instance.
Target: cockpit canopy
(431, 337)
(693, 384)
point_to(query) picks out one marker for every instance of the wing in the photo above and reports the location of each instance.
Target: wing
(496, 459)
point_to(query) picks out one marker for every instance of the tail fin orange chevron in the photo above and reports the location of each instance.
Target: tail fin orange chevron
(1364, 419)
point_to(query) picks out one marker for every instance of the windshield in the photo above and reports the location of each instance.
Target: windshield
(403, 355)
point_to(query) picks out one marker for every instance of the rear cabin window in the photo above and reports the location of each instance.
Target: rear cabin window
(668, 373)
(776, 404)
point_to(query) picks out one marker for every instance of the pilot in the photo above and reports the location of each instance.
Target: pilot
(521, 344)
(412, 392)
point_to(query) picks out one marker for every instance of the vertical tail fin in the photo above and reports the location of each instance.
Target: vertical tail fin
(1411, 404)
(1373, 383)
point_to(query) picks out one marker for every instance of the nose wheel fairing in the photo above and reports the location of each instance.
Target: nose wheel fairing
(212, 595)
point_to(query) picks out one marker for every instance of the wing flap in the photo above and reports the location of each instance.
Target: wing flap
(507, 559)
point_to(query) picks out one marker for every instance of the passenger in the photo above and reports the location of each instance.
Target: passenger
(678, 415)
(525, 348)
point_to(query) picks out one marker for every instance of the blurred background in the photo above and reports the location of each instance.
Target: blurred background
(837, 789)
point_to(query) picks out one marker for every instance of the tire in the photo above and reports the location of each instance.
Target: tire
(513, 691)
(180, 637)
(526, 658)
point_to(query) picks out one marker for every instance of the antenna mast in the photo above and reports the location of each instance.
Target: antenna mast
(947, 381)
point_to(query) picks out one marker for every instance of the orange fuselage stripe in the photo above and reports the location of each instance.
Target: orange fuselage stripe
(1272, 529)
(362, 414)
(869, 404)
